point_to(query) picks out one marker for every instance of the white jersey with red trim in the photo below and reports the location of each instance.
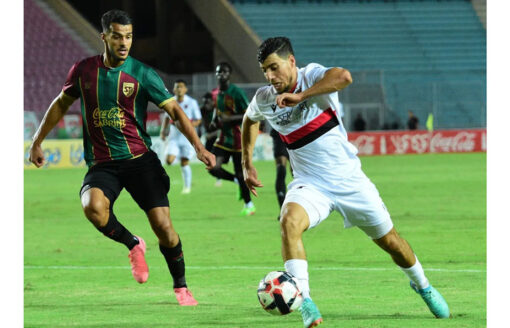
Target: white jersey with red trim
(192, 110)
(314, 135)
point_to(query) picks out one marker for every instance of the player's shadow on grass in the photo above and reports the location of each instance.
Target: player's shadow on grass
(395, 316)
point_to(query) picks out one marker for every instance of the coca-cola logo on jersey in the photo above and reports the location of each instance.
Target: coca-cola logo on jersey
(461, 142)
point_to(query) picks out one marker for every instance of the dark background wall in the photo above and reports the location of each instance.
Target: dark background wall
(167, 33)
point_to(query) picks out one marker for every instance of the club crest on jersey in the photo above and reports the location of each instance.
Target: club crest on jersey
(284, 119)
(128, 88)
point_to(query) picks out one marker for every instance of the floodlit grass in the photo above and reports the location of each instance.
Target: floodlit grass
(75, 277)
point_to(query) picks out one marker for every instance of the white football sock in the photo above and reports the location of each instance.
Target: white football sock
(249, 204)
(186, 176)
(417, 275)
(299, 269)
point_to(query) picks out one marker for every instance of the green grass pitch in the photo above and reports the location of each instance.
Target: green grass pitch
(75, 277)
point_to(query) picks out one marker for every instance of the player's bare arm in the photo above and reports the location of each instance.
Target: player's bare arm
(233, 119)
(54, 114)
(249, 133)
(164, 126)
(334, 79)
(177, 114)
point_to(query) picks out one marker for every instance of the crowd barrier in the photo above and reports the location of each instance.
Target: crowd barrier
(68, 153)
(418, 142)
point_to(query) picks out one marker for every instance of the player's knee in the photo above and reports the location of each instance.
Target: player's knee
(215, 171)
(291, 225)
(170, 160)
(96, 210)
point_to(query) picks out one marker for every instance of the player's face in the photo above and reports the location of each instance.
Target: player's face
(208, 104)
(180, 89)
(280, 72)
(222, 73)
(118, 41)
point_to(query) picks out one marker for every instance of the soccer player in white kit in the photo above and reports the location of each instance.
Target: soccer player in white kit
(302, 105)
(178, 145)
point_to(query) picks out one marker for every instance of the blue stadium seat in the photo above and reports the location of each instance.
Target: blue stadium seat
(436, 44)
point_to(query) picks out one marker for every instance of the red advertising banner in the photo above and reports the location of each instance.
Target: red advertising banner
(418, 142)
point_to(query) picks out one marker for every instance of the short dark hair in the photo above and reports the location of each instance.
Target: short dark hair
(181, 81)
(225, 64)
(115, 16)
(207, 95)
(279, 45)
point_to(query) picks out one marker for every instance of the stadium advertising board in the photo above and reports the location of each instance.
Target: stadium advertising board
(63, 153)
(68, 153)
(417, 142)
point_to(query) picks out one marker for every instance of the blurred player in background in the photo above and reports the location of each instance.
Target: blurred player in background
(177, 144)
(207, 111)
(302, 104)
(281, 158)
(117, 146)
(231, 103)
(210, 130)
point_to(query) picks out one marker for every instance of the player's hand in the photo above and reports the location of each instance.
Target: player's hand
(251, 180)
(36, 155)
(207, 158)
(288, 99)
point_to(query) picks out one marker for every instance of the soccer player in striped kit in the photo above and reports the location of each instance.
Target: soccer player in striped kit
(114, 90)
(301, 104)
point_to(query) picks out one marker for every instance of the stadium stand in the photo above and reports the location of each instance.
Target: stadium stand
(431, 54)
(49, 51)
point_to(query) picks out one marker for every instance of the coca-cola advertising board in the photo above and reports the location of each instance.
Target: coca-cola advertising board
(418, 142)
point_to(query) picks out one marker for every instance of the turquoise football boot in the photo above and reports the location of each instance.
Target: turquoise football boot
(436, 303)
(310, 313)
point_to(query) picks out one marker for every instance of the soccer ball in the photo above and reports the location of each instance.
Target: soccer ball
(279, 293)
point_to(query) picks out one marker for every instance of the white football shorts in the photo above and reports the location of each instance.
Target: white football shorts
(356, 198)
(180, 148)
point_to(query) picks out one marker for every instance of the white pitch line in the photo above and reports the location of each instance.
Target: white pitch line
(77, 267)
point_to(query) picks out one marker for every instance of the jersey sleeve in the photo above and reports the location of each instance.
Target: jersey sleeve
(315, 72)
(195, 113)
(241, 101)
(253, 112)
(72, 84)
(156, 89)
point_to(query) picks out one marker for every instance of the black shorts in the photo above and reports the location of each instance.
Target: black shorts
(209, 143)
(279, 148)
(143, 177)
(220, 152)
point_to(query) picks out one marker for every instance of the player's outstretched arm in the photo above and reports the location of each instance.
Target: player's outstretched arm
(334, 79)
(184, 125)
(249, 133)
(164, 126)
(54, 114)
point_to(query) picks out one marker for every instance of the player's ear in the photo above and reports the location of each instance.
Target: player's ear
(292, 60)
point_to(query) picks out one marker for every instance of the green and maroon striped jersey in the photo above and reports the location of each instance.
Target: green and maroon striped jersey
(114, 106)
(232, 101)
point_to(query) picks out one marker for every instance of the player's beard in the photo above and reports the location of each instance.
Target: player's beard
(113, 55)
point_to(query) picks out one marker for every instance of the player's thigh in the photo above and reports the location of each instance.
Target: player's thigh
(172, 148)
(316, 204)
(147, 182)
(279, 148)
(103, 177)
(361, 205)
(222, 156)
(186, 150)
